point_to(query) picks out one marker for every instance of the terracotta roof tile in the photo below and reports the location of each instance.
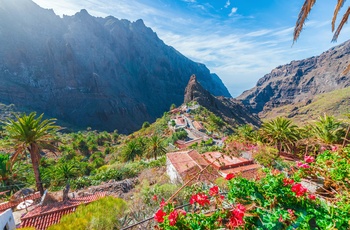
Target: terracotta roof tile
(12, 204)
(44, 216)
(224, 161)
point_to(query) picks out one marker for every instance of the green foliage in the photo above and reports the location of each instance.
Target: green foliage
(102, 214)
(266, 155)
(281, 133)
(173, 106)
(328, 130)
(145, 125)
(131, 150)
(155, 147)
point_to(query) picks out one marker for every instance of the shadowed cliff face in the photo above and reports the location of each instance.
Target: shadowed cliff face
(104, 73)
(300, 81)
(229, 109)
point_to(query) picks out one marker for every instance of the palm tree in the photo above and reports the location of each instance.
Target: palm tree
(32, 134)
(156, 147)
(328, 130)
(131, 150)
(281, 133)
(304, 12)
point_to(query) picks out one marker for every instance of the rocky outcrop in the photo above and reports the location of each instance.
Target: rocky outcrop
(229, 109)
(300, 81)
(104, 73)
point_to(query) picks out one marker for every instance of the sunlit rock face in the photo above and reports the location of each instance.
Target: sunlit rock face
(104, 73)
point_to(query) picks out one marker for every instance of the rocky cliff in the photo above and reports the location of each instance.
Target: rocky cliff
(104, 73)
(229, 109)
(300, 81)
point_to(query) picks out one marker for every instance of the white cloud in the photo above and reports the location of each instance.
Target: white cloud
(228, 3)
(233, 11)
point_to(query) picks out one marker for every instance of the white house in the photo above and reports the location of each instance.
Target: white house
(7, 222)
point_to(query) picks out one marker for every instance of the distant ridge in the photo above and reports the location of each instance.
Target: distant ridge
(103, 73)
(299, 82)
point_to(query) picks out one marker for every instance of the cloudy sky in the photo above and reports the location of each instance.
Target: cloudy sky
(240, 40)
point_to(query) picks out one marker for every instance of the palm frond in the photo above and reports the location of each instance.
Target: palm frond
(341, 24)
(336, 11)
(304, 12)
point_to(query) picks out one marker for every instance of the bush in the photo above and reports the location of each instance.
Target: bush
(103, 214)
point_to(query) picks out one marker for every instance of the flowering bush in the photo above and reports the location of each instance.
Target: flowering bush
(276, 201)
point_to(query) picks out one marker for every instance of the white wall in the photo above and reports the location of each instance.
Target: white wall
(172, 173)
(7, 221)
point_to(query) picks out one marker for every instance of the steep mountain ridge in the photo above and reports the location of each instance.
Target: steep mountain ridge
(104, 73)
(299, 81)
(229, 109)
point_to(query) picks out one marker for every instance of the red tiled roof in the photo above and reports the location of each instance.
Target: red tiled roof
(247, 171)
(224, 161)
(197, 125)
(184, 144)
(44, 216)
(12, 204)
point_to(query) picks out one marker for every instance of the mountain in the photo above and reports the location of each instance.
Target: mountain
(299, 83)
(229, 109)
(104, 73)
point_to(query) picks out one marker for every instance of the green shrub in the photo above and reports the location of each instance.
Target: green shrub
(103, 214)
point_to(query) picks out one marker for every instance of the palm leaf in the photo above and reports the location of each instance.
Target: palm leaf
(341, 24)
(304, 12)
(336, 11)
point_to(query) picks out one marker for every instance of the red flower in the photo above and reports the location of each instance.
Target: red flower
(159, 216)
(213, 191)
(312, 197)
(230, 176)
(155, 198)
(288, 181)
(302, 165)
(173, 217)
(200, 198)
(309, 159)
(162, 203)
(299, 190)
(237, 216)
(334, 148)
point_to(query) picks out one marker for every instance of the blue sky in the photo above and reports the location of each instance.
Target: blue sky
(240, 40)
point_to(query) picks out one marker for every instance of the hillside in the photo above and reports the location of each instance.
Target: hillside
(335, 103)
(103, 73)
(299, 82)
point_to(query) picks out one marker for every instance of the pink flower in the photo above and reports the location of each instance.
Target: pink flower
(299, 190)
(291, 212)
(323, 148)
(159, 216)
(173, 218)
(162, 203)
(334, 148)
(309, 159)
(288, 181)
(214, 191)
(280, 219)
(230, 176)
(155, 198)
(312, 197)
(182, 212)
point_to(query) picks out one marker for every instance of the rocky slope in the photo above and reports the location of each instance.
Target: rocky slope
(104, 73)
(299, 82)
(229, 109)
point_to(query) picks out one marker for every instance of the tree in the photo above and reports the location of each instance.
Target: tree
(131, 150)
(155, 146)
(306, 9)
(328, 130)
(145, 125)
(173, 106)
(32, 134)
(281, 133)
